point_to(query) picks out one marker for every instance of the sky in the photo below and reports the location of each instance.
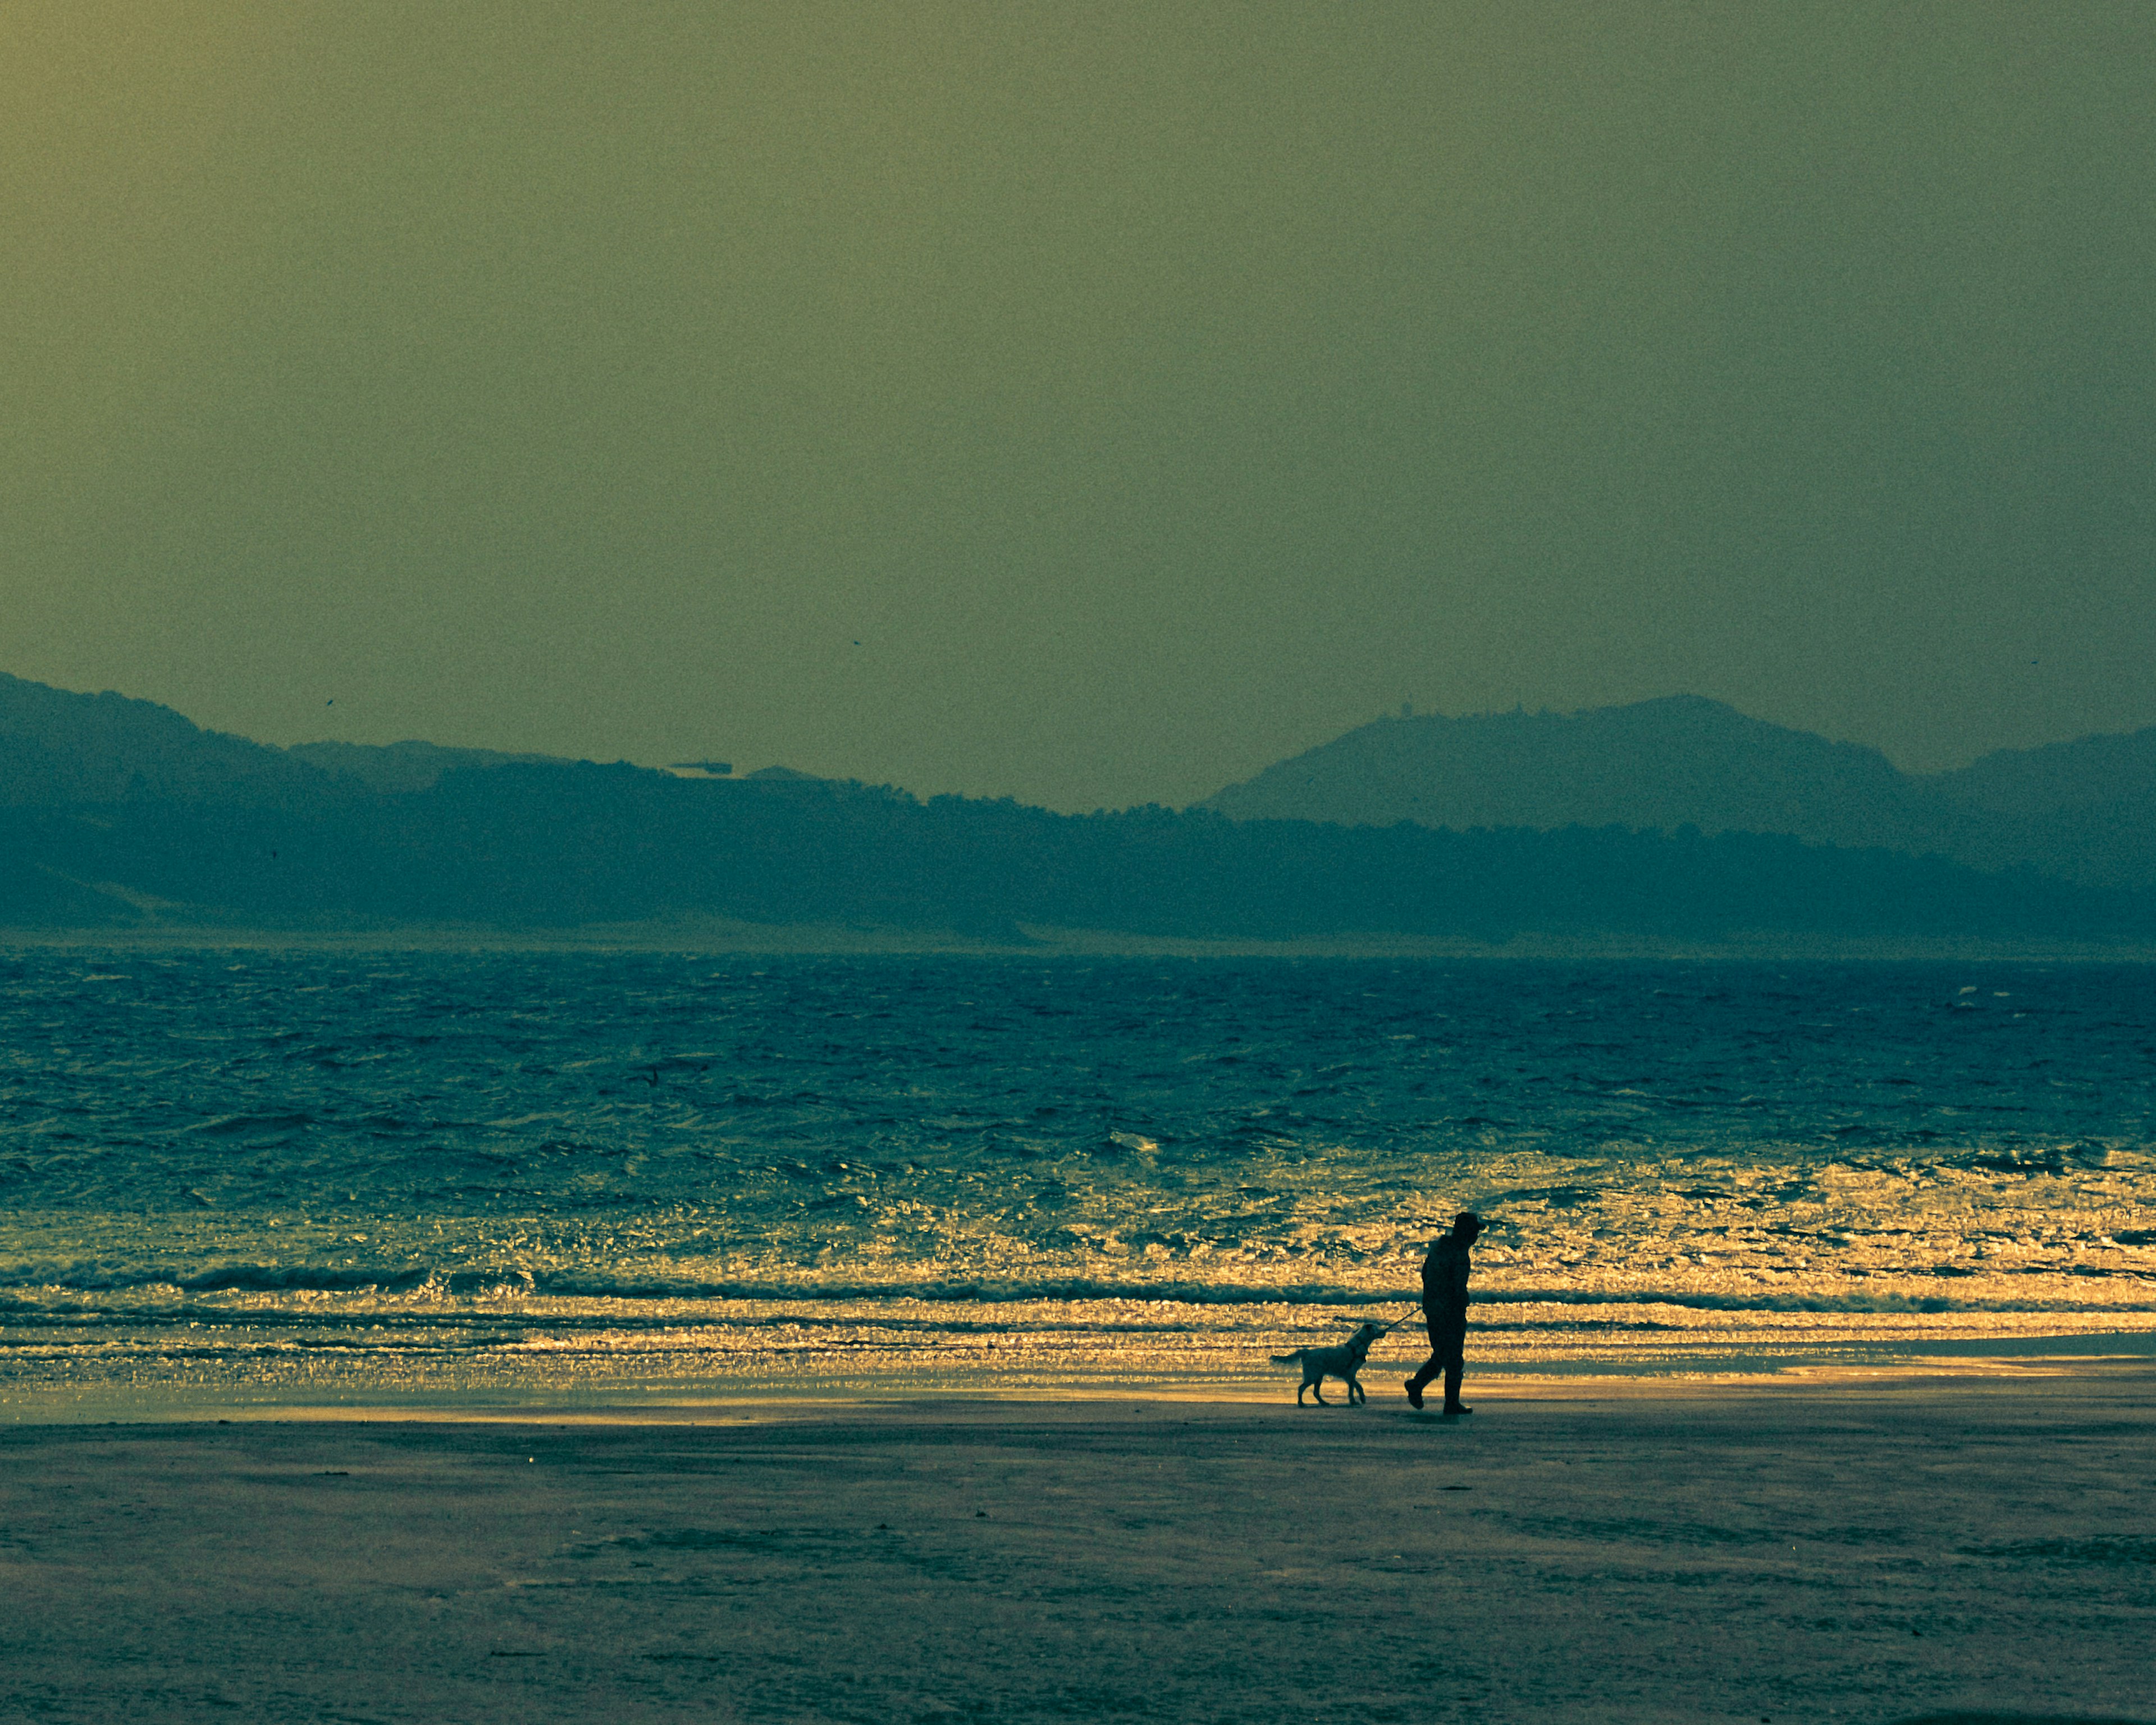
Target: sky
(1087, 404)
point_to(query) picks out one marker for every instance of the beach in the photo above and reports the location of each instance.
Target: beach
(1873, 1549)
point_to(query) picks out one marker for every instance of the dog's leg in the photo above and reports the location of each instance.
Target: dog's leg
(1318, 1389)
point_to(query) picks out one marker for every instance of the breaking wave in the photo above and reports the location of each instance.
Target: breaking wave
(511, 1284)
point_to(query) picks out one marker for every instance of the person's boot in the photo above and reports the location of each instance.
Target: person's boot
(1453, 1410)
(1415, 1393)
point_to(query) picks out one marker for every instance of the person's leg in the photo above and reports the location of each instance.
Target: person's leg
(1429, 1368)
(1453, 1346)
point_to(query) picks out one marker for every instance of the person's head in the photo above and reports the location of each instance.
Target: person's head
(1465, 1226)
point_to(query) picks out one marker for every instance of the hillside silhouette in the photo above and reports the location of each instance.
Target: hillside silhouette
(121, 814)
(60, 749)
(404, 766)
(2083, 811)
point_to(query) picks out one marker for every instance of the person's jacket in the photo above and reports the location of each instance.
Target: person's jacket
(1444, 1279)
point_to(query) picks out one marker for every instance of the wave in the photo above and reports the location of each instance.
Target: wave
(510, 1282)
(242, 1125)
(1690, 1300)
(271, 1279)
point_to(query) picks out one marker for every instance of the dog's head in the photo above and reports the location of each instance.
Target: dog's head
(1361, 1339)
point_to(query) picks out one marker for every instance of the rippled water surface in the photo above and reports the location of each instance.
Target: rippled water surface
(304, 1174)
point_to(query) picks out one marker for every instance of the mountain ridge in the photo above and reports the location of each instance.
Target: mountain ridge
(63, 746)
(122, 814)
(2084, 810)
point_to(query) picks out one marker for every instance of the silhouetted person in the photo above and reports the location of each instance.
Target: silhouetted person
(1444, 1304)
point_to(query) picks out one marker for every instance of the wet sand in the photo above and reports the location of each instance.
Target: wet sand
(1622, 1553)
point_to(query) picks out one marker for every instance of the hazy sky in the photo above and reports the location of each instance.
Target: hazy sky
(1091, 404)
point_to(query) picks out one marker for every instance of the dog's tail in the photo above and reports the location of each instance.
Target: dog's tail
(1288, 1359)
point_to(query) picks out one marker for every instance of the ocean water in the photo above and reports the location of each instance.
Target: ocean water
(277, 1178)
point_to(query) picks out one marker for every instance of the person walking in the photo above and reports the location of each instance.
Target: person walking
(1444, 1304)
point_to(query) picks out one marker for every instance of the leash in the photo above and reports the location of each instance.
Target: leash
(1408, 1317)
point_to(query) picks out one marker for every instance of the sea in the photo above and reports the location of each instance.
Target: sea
(252, 1180)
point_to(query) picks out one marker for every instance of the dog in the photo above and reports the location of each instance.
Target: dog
(1342, 1361)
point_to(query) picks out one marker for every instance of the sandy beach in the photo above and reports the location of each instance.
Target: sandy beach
(1871, 1552)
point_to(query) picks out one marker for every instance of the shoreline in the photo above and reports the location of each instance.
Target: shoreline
(1637, 1556)
(2085, 1367)
(721, 937)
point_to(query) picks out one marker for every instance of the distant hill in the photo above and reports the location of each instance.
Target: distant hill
(120, 813)
(1679, 761)
(57, 747)
(401, 767)
(2059, 778)
(2083, 811)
